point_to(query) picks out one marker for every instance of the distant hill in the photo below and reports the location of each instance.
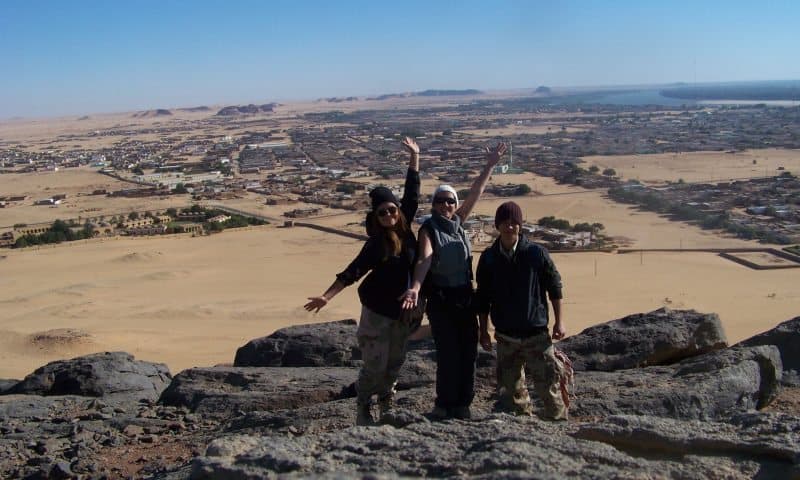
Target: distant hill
(427, 93)
(85, 117)
(542, 90)
(246, 109)
(202, 108)
(339, 99)
(442, 93)
(388, 96)
(161, 112)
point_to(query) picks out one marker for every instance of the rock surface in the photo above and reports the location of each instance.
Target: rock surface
(660, 337)
(6, 384)
(330, 344)
(229, 389)
(109, 374)
(500, 446)
(711, 386)
(695, 418)
(785, 337)
(761, 436)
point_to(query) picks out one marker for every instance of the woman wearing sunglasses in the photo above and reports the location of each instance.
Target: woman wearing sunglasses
(445, 267)
(388, 256)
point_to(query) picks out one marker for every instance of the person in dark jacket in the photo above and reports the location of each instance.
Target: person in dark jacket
(388, 256)
(444, 265)
(515, 278)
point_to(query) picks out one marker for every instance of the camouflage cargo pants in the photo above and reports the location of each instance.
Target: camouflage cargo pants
(382, 341)
(513, 354)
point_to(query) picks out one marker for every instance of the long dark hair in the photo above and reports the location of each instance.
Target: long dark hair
(392, 238)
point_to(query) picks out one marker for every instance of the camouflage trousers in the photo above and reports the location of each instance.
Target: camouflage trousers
(382, 341)
(537, 353)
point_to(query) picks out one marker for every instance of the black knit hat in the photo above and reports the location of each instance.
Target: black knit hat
(379, 195)
(508, 211)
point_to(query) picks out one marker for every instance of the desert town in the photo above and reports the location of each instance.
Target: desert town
(322, 163)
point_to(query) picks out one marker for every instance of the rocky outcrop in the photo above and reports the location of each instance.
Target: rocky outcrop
(501, 446)
(6, 385)
(223, 390)
(330, 344)
(160, 112)
(749, 434)
(111, 374)
(711, 386)
(80, 437)
(785, 336)
(201, 108)
(660, 337)
(694, 418)
(250, 109)
(333, 344)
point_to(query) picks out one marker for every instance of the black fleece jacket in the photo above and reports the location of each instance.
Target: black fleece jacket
(388, 274)
(514, 291)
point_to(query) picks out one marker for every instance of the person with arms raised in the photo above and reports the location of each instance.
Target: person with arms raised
(388, 259)
(445, 267)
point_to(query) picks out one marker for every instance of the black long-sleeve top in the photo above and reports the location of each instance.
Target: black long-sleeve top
(389, 275)
(515, 290)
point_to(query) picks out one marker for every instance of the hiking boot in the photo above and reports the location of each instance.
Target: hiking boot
(364, 415)
(554, 418)
(438, 413)
(462, 413)
(385, 404)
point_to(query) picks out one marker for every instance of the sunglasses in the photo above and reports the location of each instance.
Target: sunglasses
(447, 200)
(387, 211)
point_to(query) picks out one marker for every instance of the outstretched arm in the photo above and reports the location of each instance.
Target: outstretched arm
(492, 157)
(317, 303)
(366, 260)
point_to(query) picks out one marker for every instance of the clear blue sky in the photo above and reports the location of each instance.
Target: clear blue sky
(77, 57)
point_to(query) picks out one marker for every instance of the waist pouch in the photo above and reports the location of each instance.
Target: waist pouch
(458, 297)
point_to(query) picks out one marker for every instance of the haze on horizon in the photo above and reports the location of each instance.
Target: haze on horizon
(64, 58)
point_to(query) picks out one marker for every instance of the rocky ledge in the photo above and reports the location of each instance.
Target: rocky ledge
(657, 395)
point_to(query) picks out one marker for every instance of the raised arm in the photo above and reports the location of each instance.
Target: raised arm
(421, 268)
(492, 157)
(413, 149)
(410, 200)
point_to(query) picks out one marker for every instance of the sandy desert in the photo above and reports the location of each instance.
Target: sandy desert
(190, 301)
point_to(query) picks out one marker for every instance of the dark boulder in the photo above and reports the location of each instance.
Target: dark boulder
(226, 390)
(330, 344)
(109, 374)
(786, 337)
(660, 337)
(6, 385)
(708, 387)
(763, 436)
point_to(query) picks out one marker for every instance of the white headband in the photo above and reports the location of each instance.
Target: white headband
(446, 188)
